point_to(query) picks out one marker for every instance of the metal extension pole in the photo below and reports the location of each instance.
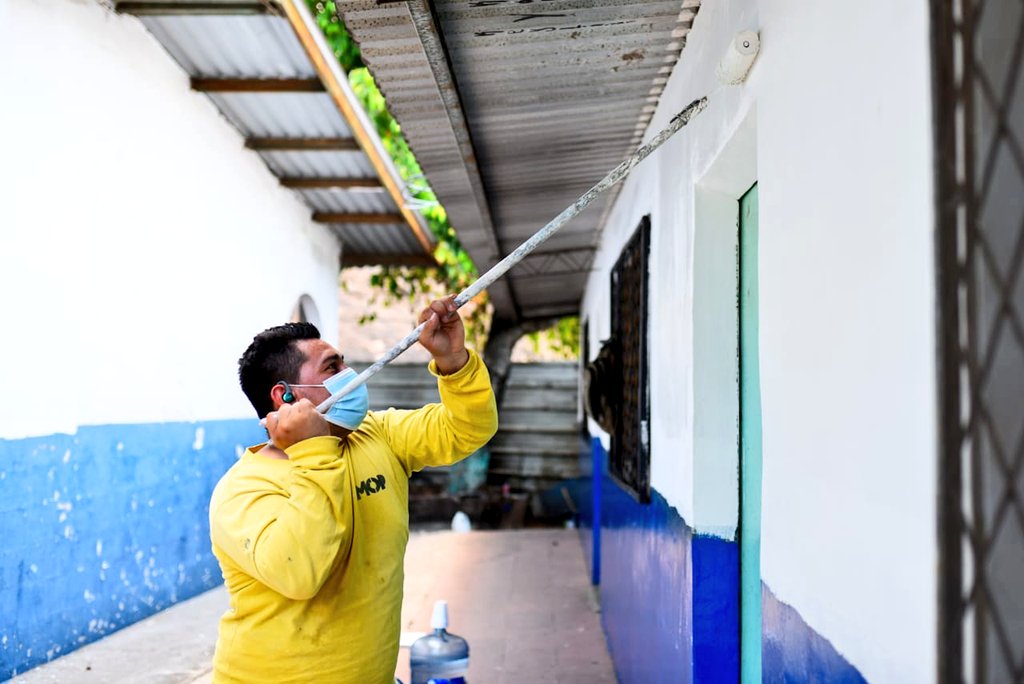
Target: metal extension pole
(502, 267)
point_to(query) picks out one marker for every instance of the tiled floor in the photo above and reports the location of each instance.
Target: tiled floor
(521, 598)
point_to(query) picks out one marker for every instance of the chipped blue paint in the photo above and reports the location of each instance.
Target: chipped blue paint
(103, 528)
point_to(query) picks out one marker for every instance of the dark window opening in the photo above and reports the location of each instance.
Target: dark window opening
(629, 460)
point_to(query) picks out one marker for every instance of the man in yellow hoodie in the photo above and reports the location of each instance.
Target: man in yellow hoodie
(310, 529)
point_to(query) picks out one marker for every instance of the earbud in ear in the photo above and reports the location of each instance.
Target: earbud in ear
(288, 396)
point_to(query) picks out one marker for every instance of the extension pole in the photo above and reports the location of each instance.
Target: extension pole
(502, 267)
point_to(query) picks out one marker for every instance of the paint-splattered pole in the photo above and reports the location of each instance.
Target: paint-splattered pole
(502, 267)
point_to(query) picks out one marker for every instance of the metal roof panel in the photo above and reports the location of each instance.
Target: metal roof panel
(214, 46)
(369, 238)
(283, 115)
(264, 40)
(319, 164)
(532, 104)
(352, 201)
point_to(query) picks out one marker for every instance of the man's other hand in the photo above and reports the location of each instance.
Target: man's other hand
(293, 423)
(444, 336)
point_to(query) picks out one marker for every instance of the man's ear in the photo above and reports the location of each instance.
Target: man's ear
(277, 393)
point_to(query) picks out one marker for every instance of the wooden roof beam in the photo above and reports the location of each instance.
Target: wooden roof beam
(302, 144)
(339, 217)
(158, 9)
(386, 260)
(257, 85)
(325, 183)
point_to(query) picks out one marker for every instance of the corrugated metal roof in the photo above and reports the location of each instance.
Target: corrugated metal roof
(515, 109)
(283, 115)
(309, 164)
(368, 238)
(232, 46)
(247, 47)
(361, 201)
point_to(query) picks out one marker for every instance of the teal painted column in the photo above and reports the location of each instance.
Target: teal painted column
(750, 446)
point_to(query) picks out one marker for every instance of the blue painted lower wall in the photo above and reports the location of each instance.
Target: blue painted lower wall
(716, 609)
(646, 589)
(793, 652)
(103, 528)
(670, 601)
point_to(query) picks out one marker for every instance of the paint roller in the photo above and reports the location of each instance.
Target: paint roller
(731, 70)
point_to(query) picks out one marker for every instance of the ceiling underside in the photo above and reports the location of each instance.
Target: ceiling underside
(514, 108)
(256, 61)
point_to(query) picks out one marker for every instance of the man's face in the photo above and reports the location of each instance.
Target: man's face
(322, 361)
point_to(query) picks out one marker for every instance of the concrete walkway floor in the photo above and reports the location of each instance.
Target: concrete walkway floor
(520, 597)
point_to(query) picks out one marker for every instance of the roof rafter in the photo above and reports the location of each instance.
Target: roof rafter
(156, 9)
(302, 144)
(343, 217)
(257, 85)
(322, 183)
(386, 260)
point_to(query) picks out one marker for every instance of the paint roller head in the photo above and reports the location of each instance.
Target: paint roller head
(739, 57)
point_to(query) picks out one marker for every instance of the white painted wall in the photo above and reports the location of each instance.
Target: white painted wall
(142, 246)
(665, 186)
(840, 100)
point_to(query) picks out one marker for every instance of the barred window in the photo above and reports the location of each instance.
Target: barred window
(629, 460)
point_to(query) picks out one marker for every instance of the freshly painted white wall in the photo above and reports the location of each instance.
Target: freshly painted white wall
(847, 345)
(142, 245)
(847, 334)
(665, 187)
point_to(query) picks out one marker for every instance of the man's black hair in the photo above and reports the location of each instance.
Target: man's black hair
(272, 357)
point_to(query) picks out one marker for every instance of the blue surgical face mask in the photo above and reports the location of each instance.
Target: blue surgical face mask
(349, 411)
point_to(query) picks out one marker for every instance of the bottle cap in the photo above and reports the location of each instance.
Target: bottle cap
(439, 619)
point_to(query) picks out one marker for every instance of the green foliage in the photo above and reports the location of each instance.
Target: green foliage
(345, 49)
(562, 339)
(455, 270)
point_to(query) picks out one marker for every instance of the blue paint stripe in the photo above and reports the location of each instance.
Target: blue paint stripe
(598, 461)
(793, 652)
(671, 607)
(716, 609)
(646, 588)
(584, 498)
(103, 528)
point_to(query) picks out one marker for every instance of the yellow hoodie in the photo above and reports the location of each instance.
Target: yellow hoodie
(311, 548)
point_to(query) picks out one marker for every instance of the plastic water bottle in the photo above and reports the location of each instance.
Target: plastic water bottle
(439, 658)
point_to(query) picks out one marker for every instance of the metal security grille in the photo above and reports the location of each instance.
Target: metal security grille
(978, 49)
(629, 460)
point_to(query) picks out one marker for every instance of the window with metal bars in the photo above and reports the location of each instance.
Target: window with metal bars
(978, 70)
(629, 459)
